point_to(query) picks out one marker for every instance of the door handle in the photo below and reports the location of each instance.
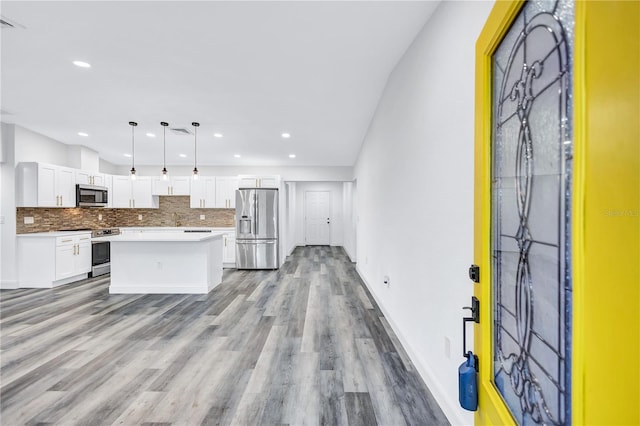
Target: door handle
(475, 317)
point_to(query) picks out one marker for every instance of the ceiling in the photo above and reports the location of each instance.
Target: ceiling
(247, 70)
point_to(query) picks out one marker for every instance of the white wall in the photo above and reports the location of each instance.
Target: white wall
(32, 146)
(8, 272)
(107, 167)
(290, 218)
(350, 215)
(415, 196)
(81, 157)
(337, 230)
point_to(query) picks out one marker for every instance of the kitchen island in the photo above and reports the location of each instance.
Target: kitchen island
(165, 262)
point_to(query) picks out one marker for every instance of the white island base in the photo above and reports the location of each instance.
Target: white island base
(165, 263)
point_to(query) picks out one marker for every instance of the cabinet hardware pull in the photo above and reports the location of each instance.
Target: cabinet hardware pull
(65, 241)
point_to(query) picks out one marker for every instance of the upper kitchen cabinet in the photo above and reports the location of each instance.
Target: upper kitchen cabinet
(259, 181)
(226, 191)
(84, 177)
(132, 194)
(45, 185)
(175, 185)
(203, 192)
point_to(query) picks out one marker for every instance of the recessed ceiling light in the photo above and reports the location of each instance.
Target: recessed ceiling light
(151, 135)
(292, 156)
(127, 155)
(81, 64)
(83, 134)
(286, 135)
(236, 155)
(217, 135)
(183, 155)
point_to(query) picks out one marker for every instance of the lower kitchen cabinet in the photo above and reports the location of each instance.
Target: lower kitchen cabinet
(50, 259)
(229, 250)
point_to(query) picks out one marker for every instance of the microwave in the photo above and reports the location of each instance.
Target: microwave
(91, 196)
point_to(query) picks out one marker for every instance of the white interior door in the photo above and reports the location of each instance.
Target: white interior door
(317, 217)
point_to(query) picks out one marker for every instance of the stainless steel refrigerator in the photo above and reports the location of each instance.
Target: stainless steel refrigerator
(257, 229)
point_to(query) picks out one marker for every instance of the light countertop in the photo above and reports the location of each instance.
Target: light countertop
(170, 237)
(53, 234)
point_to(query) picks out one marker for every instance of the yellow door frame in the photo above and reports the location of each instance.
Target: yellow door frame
(606, 213)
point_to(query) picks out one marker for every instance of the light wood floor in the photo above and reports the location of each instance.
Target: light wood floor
(303, 345)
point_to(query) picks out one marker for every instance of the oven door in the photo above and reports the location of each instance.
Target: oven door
(100, 258)
(100, 252)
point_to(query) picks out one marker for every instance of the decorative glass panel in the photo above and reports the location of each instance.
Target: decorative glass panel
(531, 216)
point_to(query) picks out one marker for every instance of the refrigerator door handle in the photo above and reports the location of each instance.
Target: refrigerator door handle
(257, 214)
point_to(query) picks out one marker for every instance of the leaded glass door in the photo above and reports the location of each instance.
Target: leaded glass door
(530, 169)
(531, 199)
(556, 162)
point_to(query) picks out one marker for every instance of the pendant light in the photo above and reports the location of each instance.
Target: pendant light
(133, 125)
(164, 150)
(195, 150)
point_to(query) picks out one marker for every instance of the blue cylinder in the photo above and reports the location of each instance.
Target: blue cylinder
(468, 383)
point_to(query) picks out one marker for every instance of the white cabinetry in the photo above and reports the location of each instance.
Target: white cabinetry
(226, 192)
(45, 185)
(176, 185)
(84, 177)
(259, 181)
(229, 249)
(73, 256)
(61, 257)
(203, 192)
(133, 194)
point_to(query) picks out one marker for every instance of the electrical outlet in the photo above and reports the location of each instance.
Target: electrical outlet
(139, 217)
(28, 220)
(202, 217)
(447, 347)
(100, 216)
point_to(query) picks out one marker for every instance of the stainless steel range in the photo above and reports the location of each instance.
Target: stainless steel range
(101, 251)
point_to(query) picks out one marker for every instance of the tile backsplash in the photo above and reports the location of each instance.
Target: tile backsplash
(172, 211)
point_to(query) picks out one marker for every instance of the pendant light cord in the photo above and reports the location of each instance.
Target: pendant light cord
(164, 145)
(133, 124)
(195, 146)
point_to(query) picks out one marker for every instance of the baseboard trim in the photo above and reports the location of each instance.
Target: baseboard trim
(351, 258)
(449, 407)
(132, 288)
(9, 285)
